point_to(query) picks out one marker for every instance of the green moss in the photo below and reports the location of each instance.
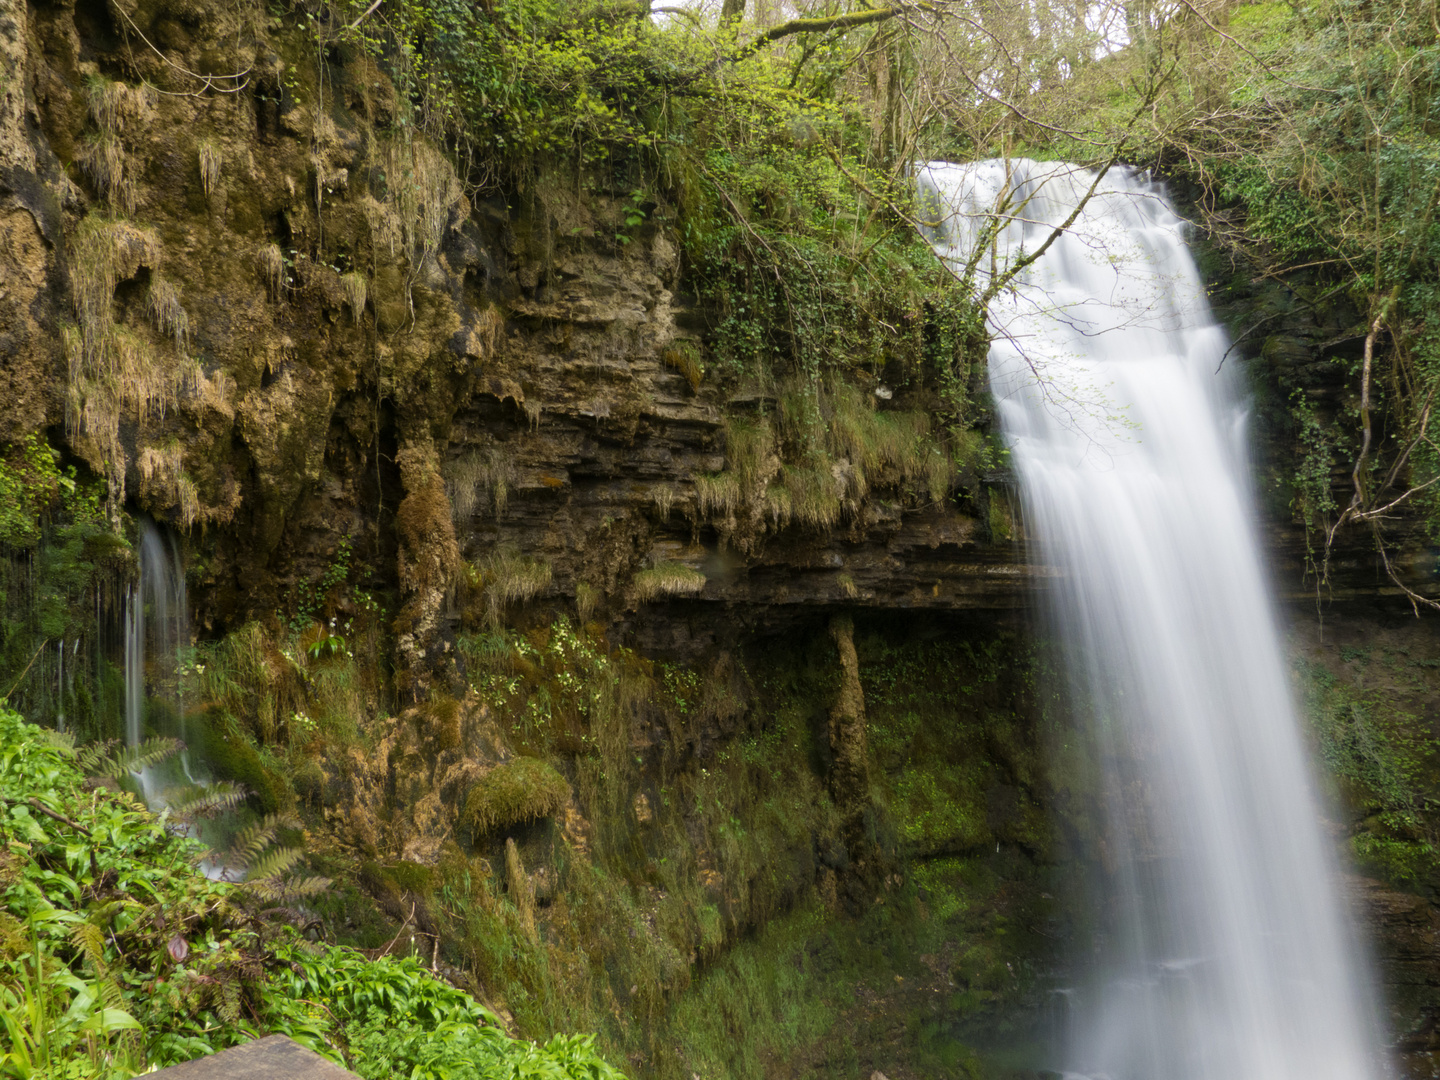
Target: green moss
(308, 779)
(512, 793)
(396, 878)
(957, 764)
(232, 756)
(412, 877)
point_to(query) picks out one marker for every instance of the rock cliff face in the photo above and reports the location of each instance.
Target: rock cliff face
(241, 289)
(271, 320)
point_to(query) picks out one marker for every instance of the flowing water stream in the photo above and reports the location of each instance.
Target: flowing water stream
(1222, 948)
(156, 617)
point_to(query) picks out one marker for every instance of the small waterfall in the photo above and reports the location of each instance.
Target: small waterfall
(156, 630)
(1224, 952)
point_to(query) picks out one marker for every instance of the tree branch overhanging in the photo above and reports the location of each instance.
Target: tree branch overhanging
(818, 24)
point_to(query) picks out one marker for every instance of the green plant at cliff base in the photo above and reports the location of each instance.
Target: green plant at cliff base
(117, 955)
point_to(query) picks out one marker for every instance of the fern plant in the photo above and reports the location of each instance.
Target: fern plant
(269, 866)
(110, 760)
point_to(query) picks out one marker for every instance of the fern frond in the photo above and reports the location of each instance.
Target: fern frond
(64, 741)
(90, 757)
(250, 841)
(90, 940)
(274, 863)
(110, 994)
(298, 888)
(135, 758)
(207, 800)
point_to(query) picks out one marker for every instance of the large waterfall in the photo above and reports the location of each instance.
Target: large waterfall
(1223, 948)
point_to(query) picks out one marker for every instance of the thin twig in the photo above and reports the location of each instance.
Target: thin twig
(36, 804)
(208, 80)
(25, 672)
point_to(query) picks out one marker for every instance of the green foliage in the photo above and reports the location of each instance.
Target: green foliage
(59, 562)
(280, 691)
(453, 1049)
(1386, 761)
(30, 486)
(310, 601)
(514, 792)
(1313, 500)
(117, 955)
(1310, 136)
(112, 760)
(793, 215)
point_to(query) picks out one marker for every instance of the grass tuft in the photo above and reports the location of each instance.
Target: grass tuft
(587, 596)
(507, 578)
(814, 493)
(667, 579)
(356, 288)
(481, 478)
(684, 357)
(662, 496)
(212, 162)
(717, 495)
(105, 252)
(163, 306)
(513, 793)
(102, 159)
(271, 262)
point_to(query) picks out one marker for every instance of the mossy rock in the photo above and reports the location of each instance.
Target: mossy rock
(517, 791)
(309, 781)
(395, 879)
(234, 757)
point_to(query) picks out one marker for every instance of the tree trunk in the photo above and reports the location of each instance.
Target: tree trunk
(850, 775)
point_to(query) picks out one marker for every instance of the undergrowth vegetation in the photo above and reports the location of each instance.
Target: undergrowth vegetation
(117, 955)
(1380, 754)
(636, 921)
(1308, 139)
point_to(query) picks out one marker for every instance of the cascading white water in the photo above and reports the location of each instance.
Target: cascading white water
(156, 627)
(1224, 951)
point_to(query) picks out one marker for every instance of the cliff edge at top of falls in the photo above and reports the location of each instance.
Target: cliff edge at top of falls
(236, 308)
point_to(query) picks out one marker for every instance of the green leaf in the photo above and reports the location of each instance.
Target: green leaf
(107, 1020)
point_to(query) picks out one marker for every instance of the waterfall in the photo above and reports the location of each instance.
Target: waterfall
(1223, 950)
(156, 629)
